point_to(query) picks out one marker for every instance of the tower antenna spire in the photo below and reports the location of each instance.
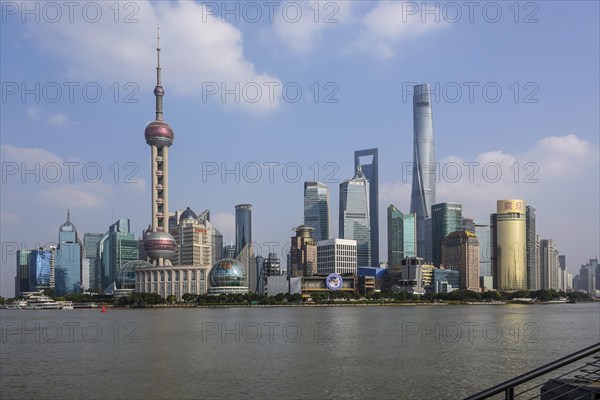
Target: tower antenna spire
(159, 92)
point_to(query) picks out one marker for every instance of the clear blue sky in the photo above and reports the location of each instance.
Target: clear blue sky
(363, 55)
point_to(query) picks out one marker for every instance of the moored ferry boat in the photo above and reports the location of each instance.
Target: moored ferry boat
(41, 302)
(16, 305)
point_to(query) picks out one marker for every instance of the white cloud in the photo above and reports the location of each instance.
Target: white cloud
(299, 32)
(197, 48)
(86, 195)
(34, 112)
(391, 22)
(59, 120)
(563, 155)
(29, 156)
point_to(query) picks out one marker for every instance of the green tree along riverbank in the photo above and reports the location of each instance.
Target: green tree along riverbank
(331, 297)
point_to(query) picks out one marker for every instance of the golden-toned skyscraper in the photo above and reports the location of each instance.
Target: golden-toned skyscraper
(509, 245)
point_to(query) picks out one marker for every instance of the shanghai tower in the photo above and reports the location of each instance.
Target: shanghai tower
(423, 184)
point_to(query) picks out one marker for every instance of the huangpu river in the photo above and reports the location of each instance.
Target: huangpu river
(402, 352)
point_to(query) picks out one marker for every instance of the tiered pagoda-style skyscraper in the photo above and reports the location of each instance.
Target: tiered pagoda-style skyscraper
(159, 244)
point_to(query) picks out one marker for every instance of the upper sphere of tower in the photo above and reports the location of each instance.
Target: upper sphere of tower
(159, 133)
(159, 91)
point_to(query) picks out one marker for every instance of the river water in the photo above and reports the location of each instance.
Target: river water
(284, 352)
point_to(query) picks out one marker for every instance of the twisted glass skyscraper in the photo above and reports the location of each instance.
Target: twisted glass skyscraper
(423, 184)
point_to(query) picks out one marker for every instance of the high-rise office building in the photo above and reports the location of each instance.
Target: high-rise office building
(468, 224)
(91, 243)
(445, 219)
(410, 235)
(562, 261)
(267, 267)
(509, 247)
(460, 250)
(556, 270)
(316, 209)
(216, 245)
(354, 217)
(482, 233)
(533, 273)
(22, 278)
(261, 278)
(303, 252)
(423, 172)
(368, 160)
(336, 256)
(587, 278)
(159, 245)
(229, 251)
(547, 264)
(68, 260)
(428, 245)
(596, 267)
(117, 247)
(402, 235)
(39, 264)
(395, 235)
(243, 227)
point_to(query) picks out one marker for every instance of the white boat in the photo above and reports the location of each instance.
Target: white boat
(41, 302)
(66, 305)
(16, 305)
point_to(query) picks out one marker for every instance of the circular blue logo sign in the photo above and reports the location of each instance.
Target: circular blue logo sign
(334, 282)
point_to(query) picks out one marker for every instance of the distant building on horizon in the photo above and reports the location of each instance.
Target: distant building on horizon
(316, 209)
(91, 243)
(509, 247)
(229, 251)
(370, 169)
(445, 219)
(547, 264)
(354, 217)
(562, 260)
(482, 232)
(468, 224)
(533, 270)
(587, 277)
(423, 171)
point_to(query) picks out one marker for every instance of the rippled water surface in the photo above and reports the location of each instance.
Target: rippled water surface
(284, 352)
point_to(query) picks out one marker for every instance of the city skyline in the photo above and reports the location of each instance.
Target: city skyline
(561, 151)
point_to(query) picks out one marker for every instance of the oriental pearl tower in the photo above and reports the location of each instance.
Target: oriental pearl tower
(160, 246)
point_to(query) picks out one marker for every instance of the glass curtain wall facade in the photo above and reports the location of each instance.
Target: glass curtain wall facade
(423, 173)
(316, 209)
(370, 169)
(354, 218)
